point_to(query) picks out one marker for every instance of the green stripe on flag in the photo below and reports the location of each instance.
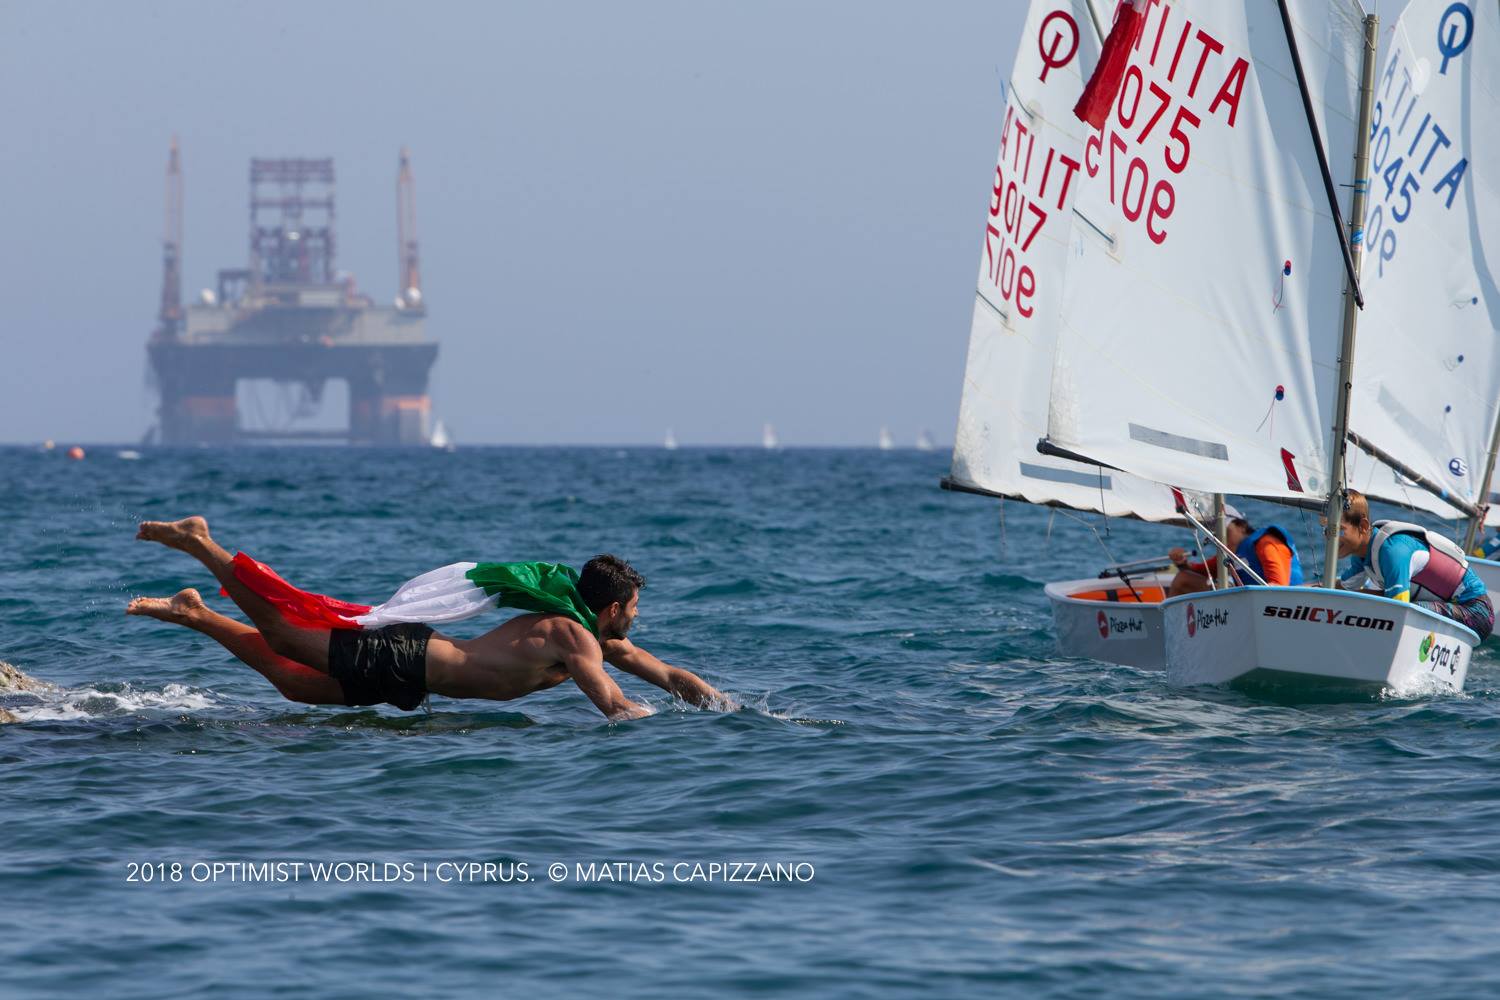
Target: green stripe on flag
(550, 588)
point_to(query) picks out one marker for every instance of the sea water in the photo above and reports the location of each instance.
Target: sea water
(917, 797)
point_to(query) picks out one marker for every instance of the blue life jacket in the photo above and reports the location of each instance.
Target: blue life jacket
(1246, 551)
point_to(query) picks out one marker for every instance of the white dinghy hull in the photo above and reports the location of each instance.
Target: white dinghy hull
(1247, 634)
(1489, 571)
(1110, 620)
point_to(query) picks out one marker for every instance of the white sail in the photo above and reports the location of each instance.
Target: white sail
(768, 439)
(1018, 300)
(885, 442)
(1427, 368)
(670, 442)
(1203, 305)
(439, 438)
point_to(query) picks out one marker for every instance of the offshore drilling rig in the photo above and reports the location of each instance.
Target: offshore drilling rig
(292, 318)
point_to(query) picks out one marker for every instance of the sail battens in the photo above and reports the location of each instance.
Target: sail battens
(1177, 442)
(1107, 237)
(959, 486)
(1078, 477)
(999, 312)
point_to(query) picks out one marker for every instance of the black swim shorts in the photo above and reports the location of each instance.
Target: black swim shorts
(385, 665)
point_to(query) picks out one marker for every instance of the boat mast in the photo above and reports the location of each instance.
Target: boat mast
(1336, 482)
(1476, 523)
(1221, 525)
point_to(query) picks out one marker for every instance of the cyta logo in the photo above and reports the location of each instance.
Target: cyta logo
(1457, 466)
(1436, 655)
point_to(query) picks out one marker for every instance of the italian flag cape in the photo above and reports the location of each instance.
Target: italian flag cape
(447, 594)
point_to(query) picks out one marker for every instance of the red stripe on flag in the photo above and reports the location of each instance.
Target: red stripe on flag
(298, 607)
(1104, 85)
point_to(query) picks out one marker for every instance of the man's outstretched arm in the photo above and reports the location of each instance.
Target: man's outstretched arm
(684, 684)
(580, 654)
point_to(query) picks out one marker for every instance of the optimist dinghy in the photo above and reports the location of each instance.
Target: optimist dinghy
(1112, 618)
(1109, 289)
(1261, 125)
(1265, 634)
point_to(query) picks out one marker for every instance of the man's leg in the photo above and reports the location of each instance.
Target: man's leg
(190, 535)
(296, 681)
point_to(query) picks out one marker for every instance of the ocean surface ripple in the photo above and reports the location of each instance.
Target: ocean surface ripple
(979, 815)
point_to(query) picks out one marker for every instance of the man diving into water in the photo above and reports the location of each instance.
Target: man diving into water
(400, 663)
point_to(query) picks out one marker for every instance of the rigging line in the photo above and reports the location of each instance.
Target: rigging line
(1121, 573)
(1303, 512)
(1322, 556)
(1074, 517)
(1224, 548)
(1102, 544)
(1125, 576)
(1202, 558)
(1317, 139)
(1101, 504)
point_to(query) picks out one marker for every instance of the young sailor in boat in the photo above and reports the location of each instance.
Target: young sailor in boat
(1270, 552)
(1406, 562)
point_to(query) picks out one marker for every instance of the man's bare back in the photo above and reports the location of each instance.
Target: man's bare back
(505, 663)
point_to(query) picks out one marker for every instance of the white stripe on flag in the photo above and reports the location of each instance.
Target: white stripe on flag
(445, 594)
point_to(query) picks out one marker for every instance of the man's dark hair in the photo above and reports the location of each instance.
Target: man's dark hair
(1242, 524)
(606, 579)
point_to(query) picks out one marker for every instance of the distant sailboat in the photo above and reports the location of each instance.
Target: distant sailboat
(924, 441)
(768, 438)
(440, 438)
(886, 441)
(671, 441)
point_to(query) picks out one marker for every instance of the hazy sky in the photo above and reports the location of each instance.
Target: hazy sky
(633, 215)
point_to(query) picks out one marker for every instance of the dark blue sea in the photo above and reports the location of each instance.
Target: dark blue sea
(944, 805)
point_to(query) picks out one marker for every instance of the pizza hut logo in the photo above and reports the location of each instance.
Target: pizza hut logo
(1103, 625)
(1192, 622)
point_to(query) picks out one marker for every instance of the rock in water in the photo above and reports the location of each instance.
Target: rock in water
(15, 679)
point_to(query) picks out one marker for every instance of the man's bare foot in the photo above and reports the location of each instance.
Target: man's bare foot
(178, 609)
(173, 534)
